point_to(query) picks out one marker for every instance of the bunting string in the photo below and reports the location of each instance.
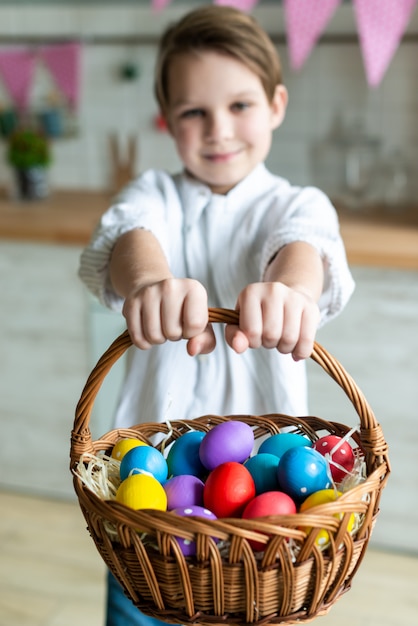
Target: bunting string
(381, 25)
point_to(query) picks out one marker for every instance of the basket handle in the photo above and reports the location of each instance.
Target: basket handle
(371, 435)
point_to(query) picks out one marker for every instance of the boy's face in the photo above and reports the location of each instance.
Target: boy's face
(220, 117)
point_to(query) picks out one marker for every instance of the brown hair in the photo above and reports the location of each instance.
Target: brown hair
(225, 30)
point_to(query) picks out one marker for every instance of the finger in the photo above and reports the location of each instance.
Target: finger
(150, 317)
(184, 314)
(305, 345)
(171, 318)
(236, 339)
(196, 314)
(272, 326)
(292, 320)
(204, 343)
(132, 314)
(251, 321)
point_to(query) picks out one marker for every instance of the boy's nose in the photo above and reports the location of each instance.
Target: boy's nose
(218, 126)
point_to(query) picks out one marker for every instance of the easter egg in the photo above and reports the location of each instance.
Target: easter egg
(187, 546)
(228, 488)
(268, 503)
(263, 469)
(226, 442)
(339, 454)
(322, 497)
(183, 456)
(123, 446)
(141, 491)
(302, 471)
(280, 443)
(184, 490)
(144, 459)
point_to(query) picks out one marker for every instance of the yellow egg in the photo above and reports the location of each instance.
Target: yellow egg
(123, 446)
(322, 497)
(142, 491)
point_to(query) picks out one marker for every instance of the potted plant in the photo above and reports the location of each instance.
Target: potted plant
(29, 154)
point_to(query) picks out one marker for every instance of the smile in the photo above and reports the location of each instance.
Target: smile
(221, 157)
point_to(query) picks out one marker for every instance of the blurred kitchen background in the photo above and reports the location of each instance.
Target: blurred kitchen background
(358, 143)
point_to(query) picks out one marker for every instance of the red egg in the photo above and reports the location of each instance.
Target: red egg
(339, 454)
(228, 489)
(268, 503)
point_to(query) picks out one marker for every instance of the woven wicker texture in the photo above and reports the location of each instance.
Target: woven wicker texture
(293, 580)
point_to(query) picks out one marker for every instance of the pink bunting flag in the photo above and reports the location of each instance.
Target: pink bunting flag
(381, 25)
(243, 5)
(16, 69)
(305, 22)
(159, 5)
(63, 61)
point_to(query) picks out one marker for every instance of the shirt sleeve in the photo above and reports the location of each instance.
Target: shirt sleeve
(309, 216)
(140, 205)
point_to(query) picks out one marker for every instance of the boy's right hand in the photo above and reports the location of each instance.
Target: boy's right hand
(170, 309)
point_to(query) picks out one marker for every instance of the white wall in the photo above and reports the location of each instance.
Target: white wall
(332, 82)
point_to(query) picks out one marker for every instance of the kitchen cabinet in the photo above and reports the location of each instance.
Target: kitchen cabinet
(376, 340)
(52, 333)
(44, 364)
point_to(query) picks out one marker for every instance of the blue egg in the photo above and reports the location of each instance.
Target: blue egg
(144, 460)
(263, 469)
(280, 443)
(183, 456)
(303, 471)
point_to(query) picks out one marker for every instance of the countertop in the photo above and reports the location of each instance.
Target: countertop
(372, 237)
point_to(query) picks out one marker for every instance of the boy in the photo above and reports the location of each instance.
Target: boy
(224, 232)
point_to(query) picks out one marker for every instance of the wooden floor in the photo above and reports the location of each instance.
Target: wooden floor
(51, 574)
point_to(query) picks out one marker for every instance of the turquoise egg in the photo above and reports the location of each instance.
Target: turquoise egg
(183, 456)
(280, 443)
(263, 469)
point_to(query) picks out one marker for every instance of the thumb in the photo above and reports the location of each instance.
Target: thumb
(235, 338)
(204, 343)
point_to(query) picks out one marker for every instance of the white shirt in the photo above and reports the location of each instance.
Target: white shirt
(225, 242)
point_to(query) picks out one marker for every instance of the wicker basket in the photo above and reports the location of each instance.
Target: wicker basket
(293, 580)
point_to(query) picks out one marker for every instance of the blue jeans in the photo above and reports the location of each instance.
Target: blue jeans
(121, 611)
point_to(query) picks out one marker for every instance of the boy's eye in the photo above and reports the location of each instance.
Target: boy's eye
(240, 106)
(192, 113)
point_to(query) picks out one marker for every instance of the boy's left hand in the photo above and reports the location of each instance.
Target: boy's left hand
(273, 315)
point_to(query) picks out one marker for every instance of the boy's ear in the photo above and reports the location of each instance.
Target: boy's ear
(278, 105)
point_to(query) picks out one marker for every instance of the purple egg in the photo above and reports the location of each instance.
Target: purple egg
(189, 547)
(228, 441)
(183, 491)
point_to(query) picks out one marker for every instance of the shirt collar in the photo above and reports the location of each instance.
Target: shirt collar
(196, 196)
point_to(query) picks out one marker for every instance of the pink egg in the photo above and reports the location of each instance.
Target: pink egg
(226, 442)
(189, 547)
(184, 490)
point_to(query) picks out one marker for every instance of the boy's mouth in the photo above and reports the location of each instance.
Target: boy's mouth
(222, 157)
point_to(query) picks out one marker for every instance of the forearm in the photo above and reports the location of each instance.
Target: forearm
(298, 266)
(137, 260)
